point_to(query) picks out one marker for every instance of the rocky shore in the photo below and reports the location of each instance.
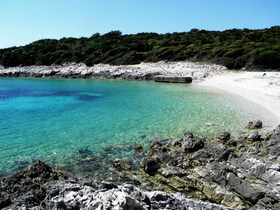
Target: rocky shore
(42, 187)
(143, 71)
(187, 173)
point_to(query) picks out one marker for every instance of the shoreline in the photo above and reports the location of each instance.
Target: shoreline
(143, 71)
(191, 172)
(252, 86)
(222, 172)
(261, 88)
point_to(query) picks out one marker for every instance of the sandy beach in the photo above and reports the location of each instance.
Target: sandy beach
(262, 88)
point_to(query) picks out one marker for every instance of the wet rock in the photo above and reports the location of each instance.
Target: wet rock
(151, 166)
(224, 136)
(190, 145)
(138, 148)
(254, 125)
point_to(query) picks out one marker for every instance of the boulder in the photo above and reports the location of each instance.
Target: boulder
(254, 125)
(190, 145)
(254, 136)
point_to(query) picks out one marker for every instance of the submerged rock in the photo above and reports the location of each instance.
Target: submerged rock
(85, 152)
(138, 148)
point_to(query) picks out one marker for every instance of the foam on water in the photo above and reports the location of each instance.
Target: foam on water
(51, 119)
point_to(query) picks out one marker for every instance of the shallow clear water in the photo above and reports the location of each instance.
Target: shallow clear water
(51, 119)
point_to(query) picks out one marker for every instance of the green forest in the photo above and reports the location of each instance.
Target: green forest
(235, 48)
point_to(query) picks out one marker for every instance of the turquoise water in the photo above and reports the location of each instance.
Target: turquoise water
(52, 119)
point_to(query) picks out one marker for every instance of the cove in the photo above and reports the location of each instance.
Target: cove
(54, 119)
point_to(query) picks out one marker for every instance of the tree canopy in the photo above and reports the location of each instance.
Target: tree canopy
(236, 49)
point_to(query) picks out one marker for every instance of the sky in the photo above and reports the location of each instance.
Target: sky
(25, 21)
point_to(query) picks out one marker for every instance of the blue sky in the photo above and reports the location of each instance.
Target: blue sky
(24, 21)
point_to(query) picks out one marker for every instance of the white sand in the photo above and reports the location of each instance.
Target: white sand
(263, 90)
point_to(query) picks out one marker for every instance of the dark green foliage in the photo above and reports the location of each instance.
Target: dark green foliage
(236, 49)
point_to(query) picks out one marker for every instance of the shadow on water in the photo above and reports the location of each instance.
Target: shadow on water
(14, 93)
(81, 96)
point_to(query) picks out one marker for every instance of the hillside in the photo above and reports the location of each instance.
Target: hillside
(236, 49)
